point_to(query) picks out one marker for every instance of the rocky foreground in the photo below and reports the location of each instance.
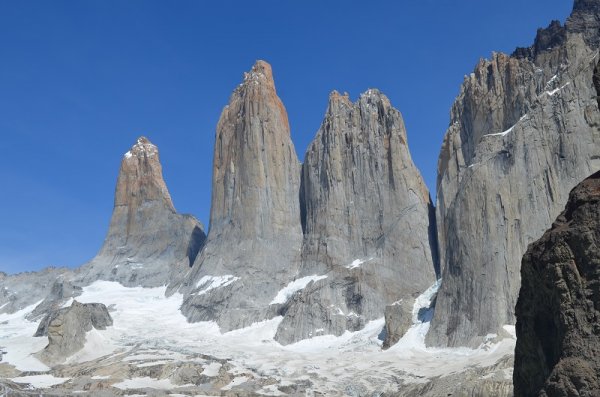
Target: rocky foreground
(558, 311)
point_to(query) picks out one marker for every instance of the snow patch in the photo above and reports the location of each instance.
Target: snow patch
(286, 292)
(503, 133)
(19, 344)
(153, 363)
(212, 369)
(145, 382)
(208, 283)
(511, 329)
(357, 262)
(238, 380)
(556, 90)
(96, 345)
(40, 381)
(552, 80)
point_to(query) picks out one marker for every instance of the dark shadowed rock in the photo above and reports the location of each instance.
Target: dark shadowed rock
(66, 329)
(148, 242)
(558, 311)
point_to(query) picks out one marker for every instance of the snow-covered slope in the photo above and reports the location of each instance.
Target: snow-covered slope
(152, 346)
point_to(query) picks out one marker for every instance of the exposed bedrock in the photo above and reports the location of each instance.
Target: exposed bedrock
(558, 310)
(253, 246)
(67, 328)
(524, 131)
(148, 243)
(369, 233)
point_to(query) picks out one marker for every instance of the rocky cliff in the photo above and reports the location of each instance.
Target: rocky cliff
(369, 232)
(253, 245)
(148, 242)
(558, 331)
(524, 130)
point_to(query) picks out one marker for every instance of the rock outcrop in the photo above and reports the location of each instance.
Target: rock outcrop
(253, 246)
(66, 329)
(524, 130)
(17, 291)
(369, 232)
(60, 292)
(148, 242)
(398, 319)
(558, 310)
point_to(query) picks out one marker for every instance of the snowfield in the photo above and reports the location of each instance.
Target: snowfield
(150, 327)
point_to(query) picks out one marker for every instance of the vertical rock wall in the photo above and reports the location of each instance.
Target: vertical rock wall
(524, 131)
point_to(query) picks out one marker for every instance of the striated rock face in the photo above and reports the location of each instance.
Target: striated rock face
(148, 242)
(524, 130)
(558, 332)
(66, 329)
(255, 236)
(368, 235)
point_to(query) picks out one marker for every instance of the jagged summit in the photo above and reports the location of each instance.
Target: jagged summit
(261, 73)
(335, 96)
(142, 147)
(140, 181)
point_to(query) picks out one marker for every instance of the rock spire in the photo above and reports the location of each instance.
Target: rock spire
(148, 243)
(255, 235)
(369, 232)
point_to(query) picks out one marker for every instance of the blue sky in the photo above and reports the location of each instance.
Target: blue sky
(80, 80)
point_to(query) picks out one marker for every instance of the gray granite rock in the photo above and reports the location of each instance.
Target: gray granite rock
(367, 220)
(398, 319)
(148, 243)
(253, 246)
(558, 332)
(62, 289)
(524, 130)
(66, 329)
(17, 291)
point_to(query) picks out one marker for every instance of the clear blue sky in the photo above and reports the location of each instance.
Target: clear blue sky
(80, 80)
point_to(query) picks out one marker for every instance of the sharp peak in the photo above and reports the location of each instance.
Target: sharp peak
(262, 66)
(141, 147)
(143, 140)
(261, 73)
